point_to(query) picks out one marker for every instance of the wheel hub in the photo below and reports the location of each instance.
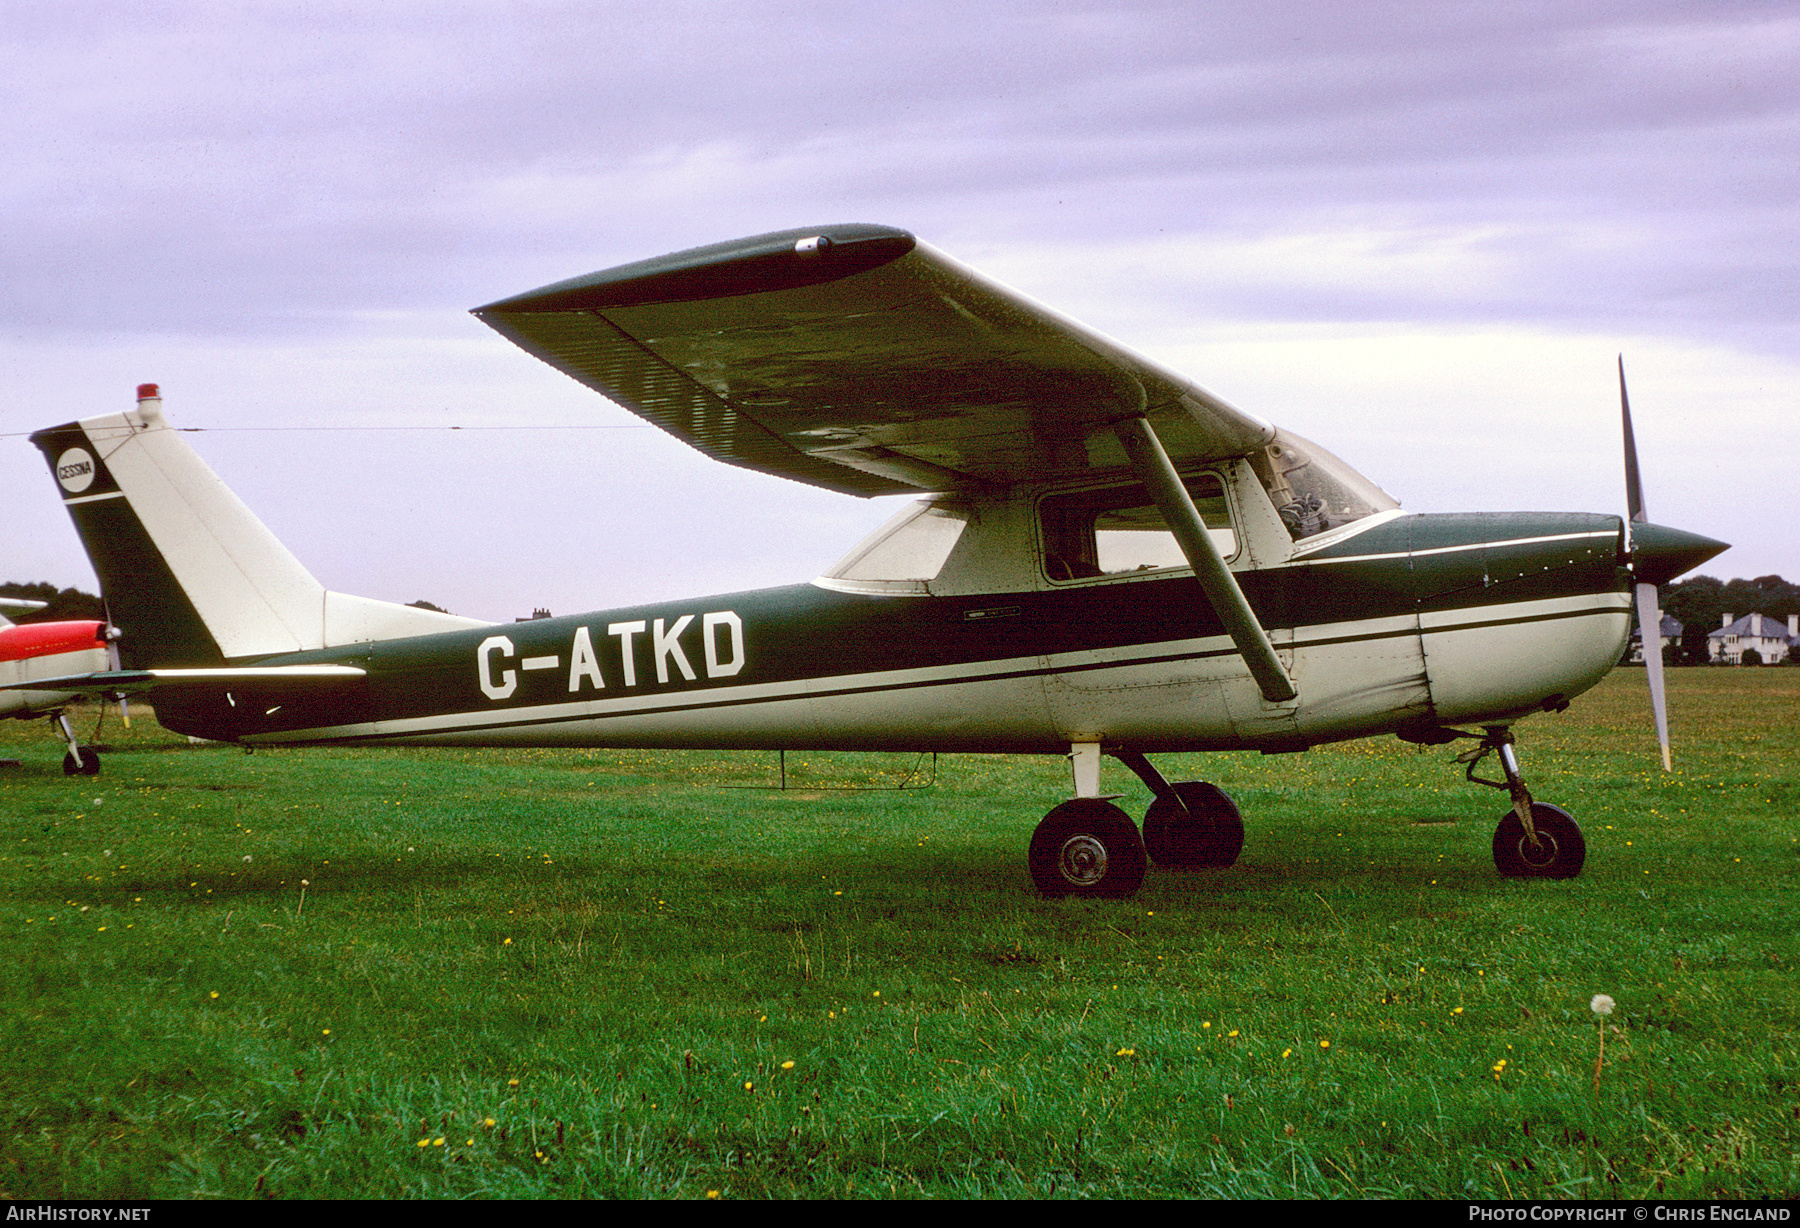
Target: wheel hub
(1540, 853)
(1082, 861)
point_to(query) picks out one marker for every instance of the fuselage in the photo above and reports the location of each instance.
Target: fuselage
(1396, 622)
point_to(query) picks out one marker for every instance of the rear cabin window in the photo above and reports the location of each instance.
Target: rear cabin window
(1118, 530)
(912, 546)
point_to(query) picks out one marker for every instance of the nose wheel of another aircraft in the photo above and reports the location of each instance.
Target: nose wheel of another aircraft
(82, 761)
(1089, 848)
(1193, 825)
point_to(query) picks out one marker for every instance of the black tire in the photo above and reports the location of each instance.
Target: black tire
(1210, 832)
(1087, 848)
(1559, 853)
(86, 762)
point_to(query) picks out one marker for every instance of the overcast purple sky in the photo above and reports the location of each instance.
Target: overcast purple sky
(1417, 233)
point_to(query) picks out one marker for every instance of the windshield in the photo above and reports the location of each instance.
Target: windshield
(1313, 490)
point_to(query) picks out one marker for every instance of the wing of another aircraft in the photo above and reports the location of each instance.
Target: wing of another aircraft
(291, 679)
(858, 359)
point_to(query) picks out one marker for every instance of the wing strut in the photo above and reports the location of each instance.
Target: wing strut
(1158, 476)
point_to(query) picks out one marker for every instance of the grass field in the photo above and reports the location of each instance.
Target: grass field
(346, 973)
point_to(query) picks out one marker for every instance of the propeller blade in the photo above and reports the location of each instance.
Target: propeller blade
(1648, 610)
(1650, 631)
(1634, 489)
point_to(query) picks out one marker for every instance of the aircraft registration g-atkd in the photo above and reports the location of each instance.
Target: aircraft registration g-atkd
(1109, 560)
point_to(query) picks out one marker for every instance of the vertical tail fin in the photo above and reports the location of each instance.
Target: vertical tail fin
(190, 575)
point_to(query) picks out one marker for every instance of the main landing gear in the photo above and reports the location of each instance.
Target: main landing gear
(1534, 839)
(1088, 847)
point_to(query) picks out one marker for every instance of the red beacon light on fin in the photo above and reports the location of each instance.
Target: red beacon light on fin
(147, 392)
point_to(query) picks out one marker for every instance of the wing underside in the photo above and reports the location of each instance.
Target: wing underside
(858, 359)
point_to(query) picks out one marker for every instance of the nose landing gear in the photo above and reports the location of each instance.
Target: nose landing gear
(1534, 839)
(81, 760)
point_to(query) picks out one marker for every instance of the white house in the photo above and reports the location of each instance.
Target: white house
(1671, 633)
(1771, 639)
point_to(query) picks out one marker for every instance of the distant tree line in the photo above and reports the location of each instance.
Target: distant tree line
(1700, 604)
(66, 604)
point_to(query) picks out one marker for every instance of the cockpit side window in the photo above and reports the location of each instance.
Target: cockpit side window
(1117, 530)
(1312, 490)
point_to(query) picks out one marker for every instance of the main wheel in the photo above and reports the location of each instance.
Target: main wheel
(1210, 832)
(1558, 853)
(86, 762)
(1087, 847)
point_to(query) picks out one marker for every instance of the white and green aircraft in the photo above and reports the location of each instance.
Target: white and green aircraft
(1107, 560)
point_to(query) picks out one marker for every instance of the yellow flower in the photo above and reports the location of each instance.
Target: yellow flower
(1324, 1044)
(712, 1193)
(1287, 1053)
(787, 1065)
(214, 994)
(1231, 1033)
(749, 1086)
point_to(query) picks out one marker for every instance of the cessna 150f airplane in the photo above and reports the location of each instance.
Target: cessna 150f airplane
(50, 650)
(1109, 561)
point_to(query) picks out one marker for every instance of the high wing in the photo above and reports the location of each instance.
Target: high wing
(859, 359)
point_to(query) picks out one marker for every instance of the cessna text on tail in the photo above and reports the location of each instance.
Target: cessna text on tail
(1108, 560)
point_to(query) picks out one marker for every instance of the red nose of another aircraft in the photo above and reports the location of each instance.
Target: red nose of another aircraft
(1659, 554)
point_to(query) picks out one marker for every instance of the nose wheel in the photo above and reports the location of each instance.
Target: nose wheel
(80, 760)
(1534, 839)
(1557, 852)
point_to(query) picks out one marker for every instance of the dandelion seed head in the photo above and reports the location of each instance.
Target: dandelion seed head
(1601, 1005)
